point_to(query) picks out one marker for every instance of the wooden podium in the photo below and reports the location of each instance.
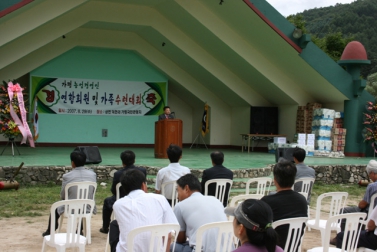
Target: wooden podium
(166, 132)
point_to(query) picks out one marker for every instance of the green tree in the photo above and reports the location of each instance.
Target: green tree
(333, 43)
(356, 20)
(372, 85)
(298, 21)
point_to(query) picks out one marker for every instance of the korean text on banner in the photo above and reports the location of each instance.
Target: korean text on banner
(98, 97)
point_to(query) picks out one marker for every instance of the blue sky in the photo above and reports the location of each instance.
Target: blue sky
(288, 7)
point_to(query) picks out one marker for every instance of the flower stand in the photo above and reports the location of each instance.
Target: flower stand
(11, 141)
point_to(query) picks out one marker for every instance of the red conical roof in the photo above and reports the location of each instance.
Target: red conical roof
(354, 51)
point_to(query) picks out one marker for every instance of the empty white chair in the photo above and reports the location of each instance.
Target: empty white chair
(219, 232)
(295, 234)
(351, 233)
(84, 190)
(169, 190)
(221, 185)
(263, 185)
(157, 235)
(76, 211)
(337, 202)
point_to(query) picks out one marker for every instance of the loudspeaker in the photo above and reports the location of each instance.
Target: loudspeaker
(264, 120)
(257, 120)
(271, 120)
(92, 154)
(286, 153)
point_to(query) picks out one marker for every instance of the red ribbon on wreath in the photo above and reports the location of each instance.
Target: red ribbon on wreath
(22, 125)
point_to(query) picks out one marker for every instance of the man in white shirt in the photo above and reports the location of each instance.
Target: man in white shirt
(172, 172)
(193, 211)
(138, 208)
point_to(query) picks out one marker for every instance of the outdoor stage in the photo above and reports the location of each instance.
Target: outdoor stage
(195, 158)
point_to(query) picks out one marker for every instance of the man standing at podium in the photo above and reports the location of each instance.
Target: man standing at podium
(166, 114)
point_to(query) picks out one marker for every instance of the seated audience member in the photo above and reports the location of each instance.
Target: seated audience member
(172, 172)
(303, 171)
(252, 226)
(78, 174)
(286, 203)
(193, 211)
(218, 171)
(364, 204)
(138, 208)
(367, 238)
(128, 160)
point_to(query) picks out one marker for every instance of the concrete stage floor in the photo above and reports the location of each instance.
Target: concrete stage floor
(195, 158)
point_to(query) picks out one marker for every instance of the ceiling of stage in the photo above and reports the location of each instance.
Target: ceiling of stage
(202, 47)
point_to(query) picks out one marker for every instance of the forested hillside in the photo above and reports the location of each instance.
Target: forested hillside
(357, 20)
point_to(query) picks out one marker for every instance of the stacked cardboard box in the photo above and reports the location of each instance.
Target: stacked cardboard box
(305, 117)
(338, 123)
(301, 140)
(301, 119)
(338, 139)
(305, 141)
(323, 121)
(311, 107)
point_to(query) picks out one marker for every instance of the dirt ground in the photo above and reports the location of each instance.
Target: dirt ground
(25, 235)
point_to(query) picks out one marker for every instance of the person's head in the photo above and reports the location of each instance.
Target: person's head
(252, 222)
(187, 185)
(372, 170)
(285, 174)
(299, 154)
(133, 179)
(217, 157)
(78, 158)
(167, 110)
(127, 157)
(174, 153)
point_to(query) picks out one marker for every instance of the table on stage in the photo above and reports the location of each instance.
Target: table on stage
(247, 137)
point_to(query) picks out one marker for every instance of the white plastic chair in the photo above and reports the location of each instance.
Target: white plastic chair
(337, 202)
(219, 232)
(166, 187)
(307, 184)
(76, 211)
(295, 234)
(240, 198)
(117, 188)
(365, 222)
(221, 185)
(351, 233)
(365, 250)
(157, 235)
(84, 190)
(117, 196)
(263, 185)
(371, 207)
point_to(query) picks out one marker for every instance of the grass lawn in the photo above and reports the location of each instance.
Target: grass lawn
(37, 200)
